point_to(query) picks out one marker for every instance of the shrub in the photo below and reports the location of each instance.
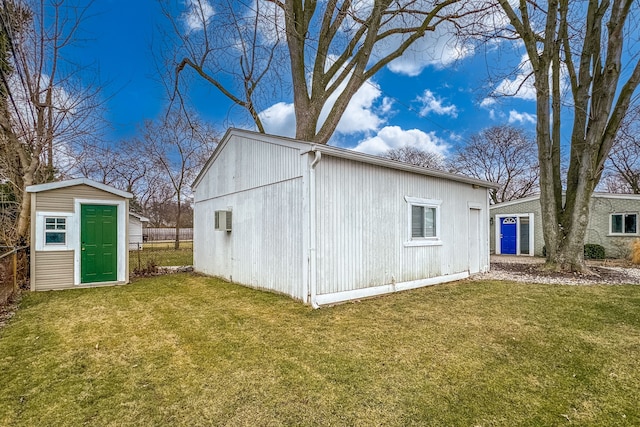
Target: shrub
(635, 251)
(593, 251)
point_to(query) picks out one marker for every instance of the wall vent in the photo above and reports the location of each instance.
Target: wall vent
(223, 220)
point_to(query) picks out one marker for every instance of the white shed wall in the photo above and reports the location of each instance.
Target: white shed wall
(363, 225)
(262, 184)
(135, 233)
(247, 163)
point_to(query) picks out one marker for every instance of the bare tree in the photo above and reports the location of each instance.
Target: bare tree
(417, 157)
(177, 147)
(625, 156)
(46, 106)
(584, 41)
(500, 154)
(333, 48)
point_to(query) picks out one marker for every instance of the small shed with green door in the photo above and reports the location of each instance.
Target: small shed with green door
(79, 235)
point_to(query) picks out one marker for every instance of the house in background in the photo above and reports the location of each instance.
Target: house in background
(78, 235)
(325, 225)
(516, 226)
(136, 224)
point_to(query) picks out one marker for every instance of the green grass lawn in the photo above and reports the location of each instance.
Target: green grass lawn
(161, 254)
(188, 350)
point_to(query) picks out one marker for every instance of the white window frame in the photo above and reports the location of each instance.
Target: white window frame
(623, 214)
(41, 232)
(426, 203)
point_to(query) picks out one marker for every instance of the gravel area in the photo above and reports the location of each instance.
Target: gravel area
(529, 269)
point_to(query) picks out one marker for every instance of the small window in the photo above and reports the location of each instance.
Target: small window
(424, 222)
(624, 223)
(55, 231)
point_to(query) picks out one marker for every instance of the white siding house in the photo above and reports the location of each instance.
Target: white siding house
(136, 224)
(325, 225)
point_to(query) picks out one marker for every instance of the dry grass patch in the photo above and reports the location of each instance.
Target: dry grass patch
(189, 350)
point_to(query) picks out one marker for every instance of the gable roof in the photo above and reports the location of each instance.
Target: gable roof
(343, 153)
(140, 217)
(599, 195)
(78, 181)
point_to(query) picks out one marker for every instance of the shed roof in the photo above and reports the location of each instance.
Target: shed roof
(140, 217)
(306, 147)
(78, 181)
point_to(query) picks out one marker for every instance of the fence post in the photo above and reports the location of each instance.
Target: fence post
(15, 270)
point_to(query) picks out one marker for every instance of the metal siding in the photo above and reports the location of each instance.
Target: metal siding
(62, 199)
(54, 270)
(247, 163)
(363, 224)
(262, 184)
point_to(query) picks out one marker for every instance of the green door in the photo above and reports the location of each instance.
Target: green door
(99, 243)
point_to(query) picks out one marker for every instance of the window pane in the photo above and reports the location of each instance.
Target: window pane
(430, 222)
(417, 221)
(630, 223)
(53, 238)
(524, 236)
(616, 223)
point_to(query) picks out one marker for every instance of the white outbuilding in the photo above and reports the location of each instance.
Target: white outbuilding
(325, 225)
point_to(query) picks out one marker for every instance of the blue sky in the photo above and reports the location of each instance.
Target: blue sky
(434, 109)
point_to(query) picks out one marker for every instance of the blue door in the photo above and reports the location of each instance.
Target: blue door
(508, 233)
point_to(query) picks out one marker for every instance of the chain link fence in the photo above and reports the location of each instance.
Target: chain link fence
(150, 258)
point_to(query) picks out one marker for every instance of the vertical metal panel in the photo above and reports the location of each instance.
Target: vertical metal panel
(262, 184)
(263, 249)
(247, 163)
(363, 225)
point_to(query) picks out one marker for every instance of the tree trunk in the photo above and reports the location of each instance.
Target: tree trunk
(177, 242)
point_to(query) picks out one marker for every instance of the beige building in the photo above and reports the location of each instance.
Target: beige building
(516, 226)
(79, 232)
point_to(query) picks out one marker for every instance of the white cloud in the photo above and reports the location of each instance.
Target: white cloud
(271, 23)
(359, 115)
(487, 102)
(390, 137)
(279, 119)
(363, 113)
(441, 48)
(521, 85)
(432, 104)
(516, 117)
(436, 50)
(197, 14)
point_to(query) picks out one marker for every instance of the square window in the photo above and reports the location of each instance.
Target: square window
(424, 218)
(55, 231)
(624, 223)
(423, 221)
